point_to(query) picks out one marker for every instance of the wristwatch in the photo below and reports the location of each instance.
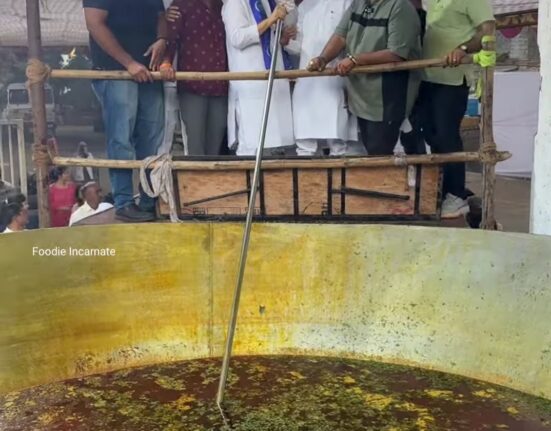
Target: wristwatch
(464, 48)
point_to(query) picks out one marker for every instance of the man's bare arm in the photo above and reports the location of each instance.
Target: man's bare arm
(96, 22)
(377, 57)
(162, 26)
(333, 48)
(487, 28)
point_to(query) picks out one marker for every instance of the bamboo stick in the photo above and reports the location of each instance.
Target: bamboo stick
(229, 165)
(488, 146)
(38, 103)
(250, 76)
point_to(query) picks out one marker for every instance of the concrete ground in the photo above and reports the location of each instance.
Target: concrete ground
(512, 201)
(512, 194)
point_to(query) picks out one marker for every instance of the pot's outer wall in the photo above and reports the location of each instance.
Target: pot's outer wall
(466, 302)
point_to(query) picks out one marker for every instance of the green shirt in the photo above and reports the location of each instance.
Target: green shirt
(377, 25)
(451, 23)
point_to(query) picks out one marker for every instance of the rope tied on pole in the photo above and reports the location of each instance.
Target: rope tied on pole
(162, 183)
(44, 153)
(400, 159)
(37, 71)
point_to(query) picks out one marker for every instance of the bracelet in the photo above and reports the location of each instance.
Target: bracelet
(352, 59)
(165, 65)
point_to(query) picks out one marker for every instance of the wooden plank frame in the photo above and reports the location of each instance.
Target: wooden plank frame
(359, 194)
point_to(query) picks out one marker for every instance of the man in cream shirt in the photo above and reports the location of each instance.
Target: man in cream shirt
(91, 193)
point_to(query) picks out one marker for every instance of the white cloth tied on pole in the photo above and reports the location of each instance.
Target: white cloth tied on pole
(162, 183)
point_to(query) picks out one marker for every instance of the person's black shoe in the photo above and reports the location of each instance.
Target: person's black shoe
(152, 211)
(133, 214)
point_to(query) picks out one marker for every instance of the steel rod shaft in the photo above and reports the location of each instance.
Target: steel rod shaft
(248, 225)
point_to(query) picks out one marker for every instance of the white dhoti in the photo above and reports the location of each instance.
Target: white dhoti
(320, 110)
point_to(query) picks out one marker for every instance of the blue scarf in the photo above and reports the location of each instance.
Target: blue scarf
(266, 39)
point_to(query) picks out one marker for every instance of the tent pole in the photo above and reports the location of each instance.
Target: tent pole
(38, 103)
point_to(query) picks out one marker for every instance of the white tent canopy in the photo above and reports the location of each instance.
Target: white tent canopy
(63, 24)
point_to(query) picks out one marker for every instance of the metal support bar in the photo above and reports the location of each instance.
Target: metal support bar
(2, 173)
(10, 151)
(371, 194)
(22, 154)
(247, 234)
(218, 197)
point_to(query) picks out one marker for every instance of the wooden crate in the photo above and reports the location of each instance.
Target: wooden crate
(304, 194)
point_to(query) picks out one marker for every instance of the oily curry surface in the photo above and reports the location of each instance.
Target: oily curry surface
(274, 394)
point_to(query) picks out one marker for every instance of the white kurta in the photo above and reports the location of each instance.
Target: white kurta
(320, 108)
(246, 98)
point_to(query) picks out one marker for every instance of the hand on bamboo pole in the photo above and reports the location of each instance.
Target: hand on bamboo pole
(312, 72)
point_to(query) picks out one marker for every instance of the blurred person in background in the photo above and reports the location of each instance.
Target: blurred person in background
(81, 174)
(61, 197)
(93, 203)
(13, 217)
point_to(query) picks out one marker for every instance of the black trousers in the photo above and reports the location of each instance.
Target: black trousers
(442, 110)
(379, 137)
(414, 141)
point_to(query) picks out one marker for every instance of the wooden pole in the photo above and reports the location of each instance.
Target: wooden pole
(354, 162)
(39, 112)
(488, 146)
(251, 76)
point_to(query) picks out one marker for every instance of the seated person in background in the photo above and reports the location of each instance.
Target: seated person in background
(13, 217)
(203, 104)
(320, 110)
(61, 197)
(250, 28)
(372, 33)
(91, 195)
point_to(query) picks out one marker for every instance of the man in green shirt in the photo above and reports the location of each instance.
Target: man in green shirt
(454, 29)
(377, 32)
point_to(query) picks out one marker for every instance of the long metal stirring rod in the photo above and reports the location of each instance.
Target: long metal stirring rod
(248, 224)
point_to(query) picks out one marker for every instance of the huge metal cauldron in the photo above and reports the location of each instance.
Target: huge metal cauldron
(472, 303)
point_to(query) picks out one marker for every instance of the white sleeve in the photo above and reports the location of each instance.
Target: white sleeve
(239, 30)
(295, 45)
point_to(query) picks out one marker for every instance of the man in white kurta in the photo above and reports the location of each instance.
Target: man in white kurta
(320, 110)
(246, 98)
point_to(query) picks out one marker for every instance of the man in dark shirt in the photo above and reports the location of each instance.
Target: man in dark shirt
(129, 35)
